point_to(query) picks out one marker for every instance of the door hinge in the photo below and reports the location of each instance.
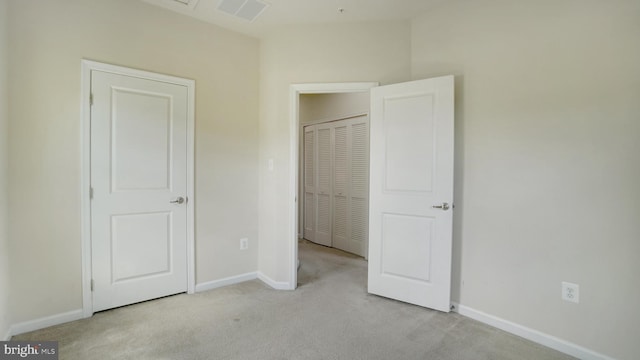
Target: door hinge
(91, 99)
(90, 193)
(92, 284)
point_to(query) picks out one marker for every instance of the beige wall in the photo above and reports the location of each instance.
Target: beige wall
(48, 40)
(547, 175)
(4, 158)
(327, 107)
(303, 54)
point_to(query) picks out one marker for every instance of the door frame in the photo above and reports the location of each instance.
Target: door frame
(295, 90)
(85, 168)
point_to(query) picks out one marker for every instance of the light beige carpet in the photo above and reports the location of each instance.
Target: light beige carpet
(329, 316)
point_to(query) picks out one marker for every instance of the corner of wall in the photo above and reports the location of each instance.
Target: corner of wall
(5, 313)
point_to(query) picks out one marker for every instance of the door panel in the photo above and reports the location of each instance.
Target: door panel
(401, 232)
(411, 172)
(323, 182)
(341, 174)
(359, 188)
(309, 184)
(408, 134)
(140, 245)
(351, 181)
(138, 166)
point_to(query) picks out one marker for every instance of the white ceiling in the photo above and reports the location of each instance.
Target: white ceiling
(285, 12)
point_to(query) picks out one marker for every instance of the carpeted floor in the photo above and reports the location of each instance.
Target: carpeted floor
(329, 316)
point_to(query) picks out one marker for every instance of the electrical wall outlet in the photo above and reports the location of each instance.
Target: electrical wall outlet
(570, 292)
(244, 244)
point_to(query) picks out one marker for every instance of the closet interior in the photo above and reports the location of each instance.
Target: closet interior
(335, 171)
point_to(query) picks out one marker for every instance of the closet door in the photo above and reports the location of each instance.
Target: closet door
(323, 171)
(341, 175)
(309, 184)
(351, 185)
(359, 186)
(336, 184)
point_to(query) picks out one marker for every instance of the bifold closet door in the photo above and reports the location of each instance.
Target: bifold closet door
(309, 228)
(350, 185)
(323, 170)
(341, 173)
(358, 239)
(336, 171)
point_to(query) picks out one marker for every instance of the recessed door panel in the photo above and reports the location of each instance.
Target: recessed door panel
(141, 140)
(140, 245)
(401, 232)
(408, 129)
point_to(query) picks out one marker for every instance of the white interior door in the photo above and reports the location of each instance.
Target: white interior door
(139, 185)
(411, 192)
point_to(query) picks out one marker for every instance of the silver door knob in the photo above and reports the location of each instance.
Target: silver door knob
(179, 200)
(444, 206)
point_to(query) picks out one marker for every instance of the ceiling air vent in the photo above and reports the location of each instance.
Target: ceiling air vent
(244, 9)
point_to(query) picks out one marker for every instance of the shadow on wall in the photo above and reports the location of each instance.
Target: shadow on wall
(458, 189)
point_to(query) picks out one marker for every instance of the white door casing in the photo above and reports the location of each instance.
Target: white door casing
(411, 175)
(140, 140)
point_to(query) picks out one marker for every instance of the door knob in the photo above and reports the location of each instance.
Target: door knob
(179, 200)
(444, 206)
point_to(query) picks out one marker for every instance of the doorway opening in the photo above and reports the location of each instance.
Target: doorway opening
(411, 187)
(334, 164)
(297, 91)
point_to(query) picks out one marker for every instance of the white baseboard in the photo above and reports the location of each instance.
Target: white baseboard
(278, 285)
(37, 324)
(210, 285)
(7, 337)
(531, 334)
